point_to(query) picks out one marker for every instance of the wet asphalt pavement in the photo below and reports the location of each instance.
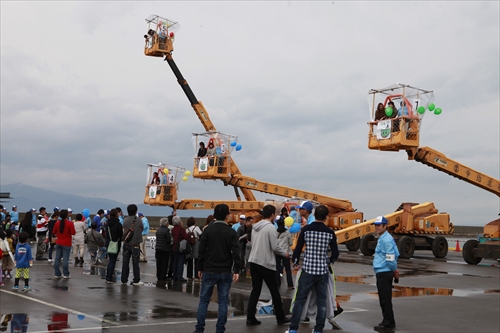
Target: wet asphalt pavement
(434, 295)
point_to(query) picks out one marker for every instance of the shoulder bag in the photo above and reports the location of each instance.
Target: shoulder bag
(112, 246)
(129, 234)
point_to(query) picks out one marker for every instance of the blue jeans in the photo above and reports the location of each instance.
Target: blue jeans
(62, 252)
(306, 282)
(178, 265)
(111, 266)
(131, 252)
(223, 282)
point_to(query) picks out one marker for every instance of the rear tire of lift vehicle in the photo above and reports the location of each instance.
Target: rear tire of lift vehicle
(439, 247)
(468, 252)
(364, 245)
(353, 244)
(406, 247)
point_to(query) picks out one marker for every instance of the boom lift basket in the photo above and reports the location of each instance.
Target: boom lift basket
(214, 162)
(162, 184)
(398, 128)
(160, 36)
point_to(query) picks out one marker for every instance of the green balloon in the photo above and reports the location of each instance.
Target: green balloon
(438, 111)
(388, 111)
(431, 106)
(421, 110)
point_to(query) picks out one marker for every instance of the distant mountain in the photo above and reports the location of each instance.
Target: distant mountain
(26, 197)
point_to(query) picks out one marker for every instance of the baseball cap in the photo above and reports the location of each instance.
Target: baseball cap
(242, 217)
(32, 210)
(380, 220)
(13, 207)
(56, 208)
(70, 210)
(306, 205)
(141, 214)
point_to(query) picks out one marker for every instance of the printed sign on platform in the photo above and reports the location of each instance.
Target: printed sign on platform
(203, 166)
(152, 192)
(384, 129)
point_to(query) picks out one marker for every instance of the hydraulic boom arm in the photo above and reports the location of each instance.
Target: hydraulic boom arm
(244, 182)
(236, 179)
(439, 161)
(202, 114)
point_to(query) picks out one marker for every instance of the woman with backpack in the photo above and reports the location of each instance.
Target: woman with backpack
(193, 231)
(178, 235)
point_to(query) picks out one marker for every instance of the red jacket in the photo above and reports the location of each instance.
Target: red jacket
(178, 234)
(64, 238)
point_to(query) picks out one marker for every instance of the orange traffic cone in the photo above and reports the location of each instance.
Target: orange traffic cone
(457, 247)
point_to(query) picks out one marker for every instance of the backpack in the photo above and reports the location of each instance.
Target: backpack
(1, 254)
(185, 247)
(192, 236)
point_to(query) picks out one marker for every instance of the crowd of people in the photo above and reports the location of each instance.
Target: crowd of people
(61, 234)
(215, 254)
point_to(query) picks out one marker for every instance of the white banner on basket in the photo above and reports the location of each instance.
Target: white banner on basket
(384, 129)
(152, 192)
(203, 165)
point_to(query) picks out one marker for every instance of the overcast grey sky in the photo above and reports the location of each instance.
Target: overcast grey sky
(83, 110)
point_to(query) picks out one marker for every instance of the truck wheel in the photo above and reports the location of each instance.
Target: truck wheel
(364, 246)
(353, 244)
(468, 252)
(439, 247)
(406, 247)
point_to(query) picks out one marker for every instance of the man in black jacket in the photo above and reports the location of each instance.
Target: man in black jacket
(162, 249)
(219, 263)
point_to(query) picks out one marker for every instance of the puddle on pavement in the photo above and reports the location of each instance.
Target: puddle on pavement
(400, 291)
(95, 270)
(415, 291)
(353, 279)
(492, 291)
(63, 288)
(55, 321)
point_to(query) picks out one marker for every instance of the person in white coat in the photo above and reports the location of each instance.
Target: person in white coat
(78, 239)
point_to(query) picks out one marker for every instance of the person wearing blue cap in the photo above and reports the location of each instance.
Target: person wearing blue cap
(14, 215)
(305, 210)
(385, 263)
(145, 233)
